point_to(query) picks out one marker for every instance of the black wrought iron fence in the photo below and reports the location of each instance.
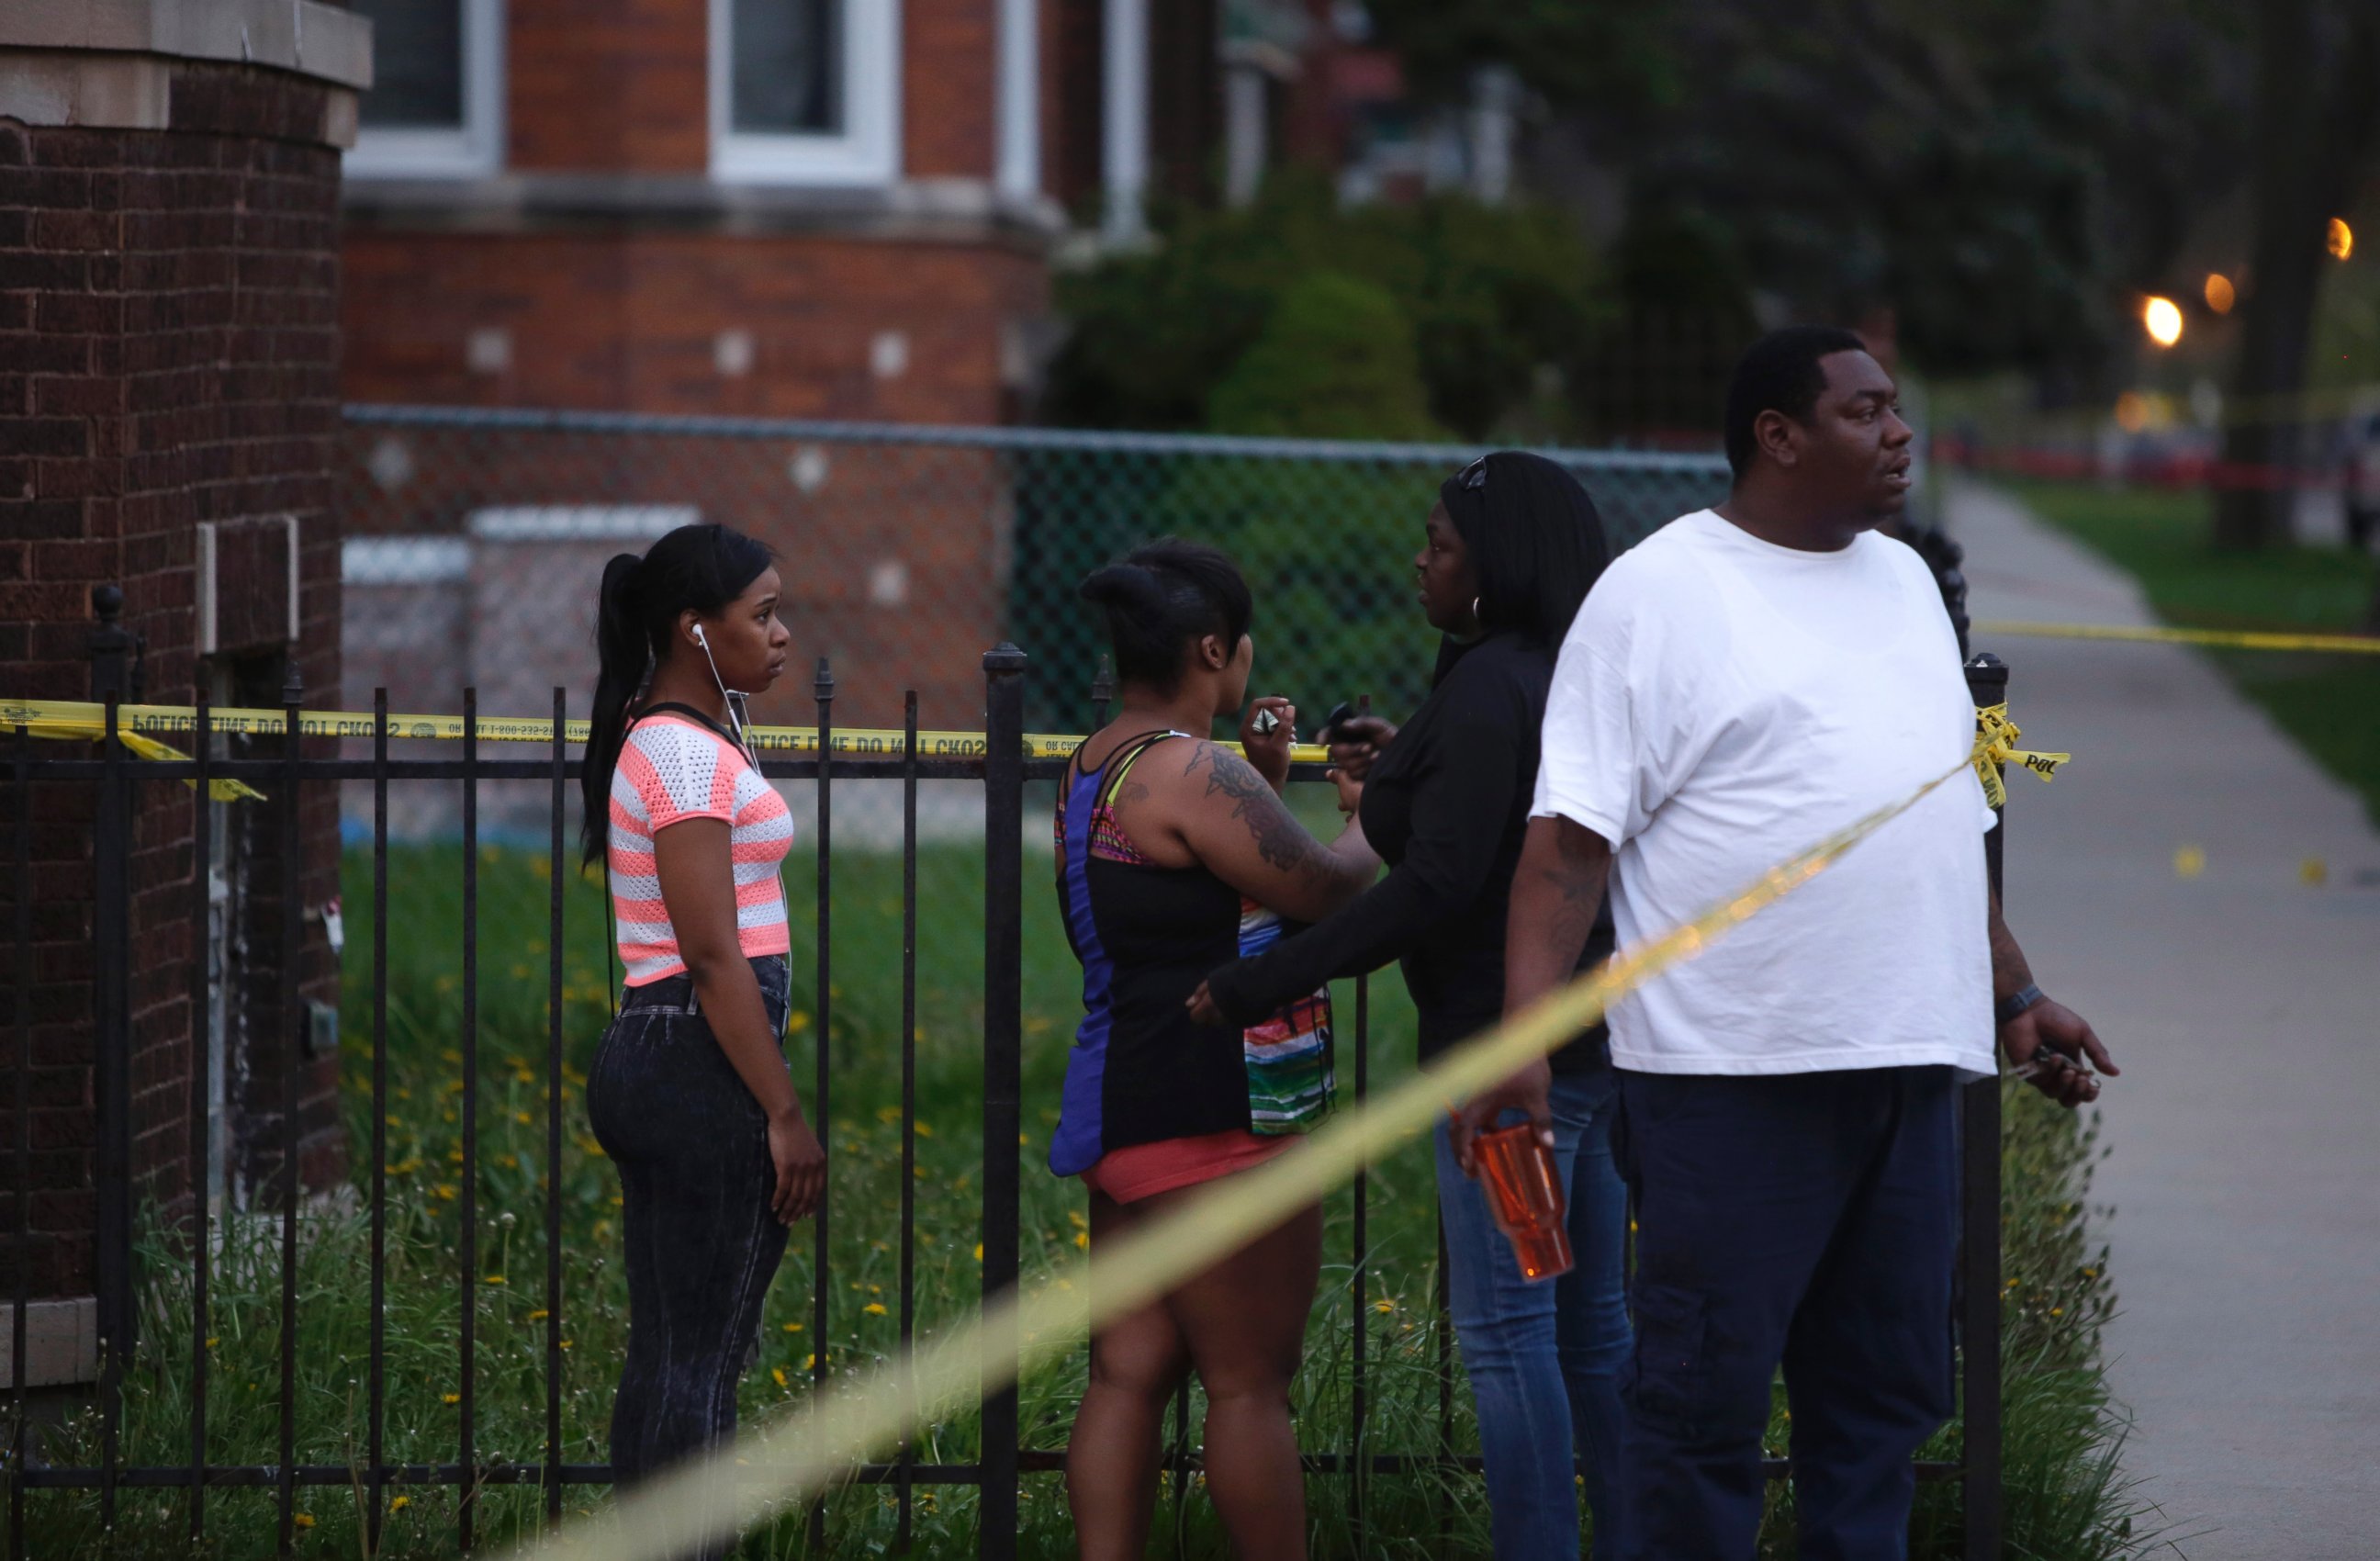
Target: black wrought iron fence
(290, 754)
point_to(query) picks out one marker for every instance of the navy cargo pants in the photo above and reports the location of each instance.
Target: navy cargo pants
(1807, 1220)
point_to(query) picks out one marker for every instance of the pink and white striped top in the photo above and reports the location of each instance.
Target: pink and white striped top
(672, 770)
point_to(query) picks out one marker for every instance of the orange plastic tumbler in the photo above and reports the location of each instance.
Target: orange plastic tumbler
(1525, 1193)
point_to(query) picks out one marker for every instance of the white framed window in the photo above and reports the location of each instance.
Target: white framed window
(435, 109)
(805, 92)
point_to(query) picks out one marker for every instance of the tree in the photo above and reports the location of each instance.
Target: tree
(2004, 174)
(2317, 114)
(1335, 362)
(1488, 293)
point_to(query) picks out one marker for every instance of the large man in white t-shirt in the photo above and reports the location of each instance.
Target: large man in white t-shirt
(1745, 683)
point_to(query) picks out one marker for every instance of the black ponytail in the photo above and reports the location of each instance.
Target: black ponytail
(1161, 600)
(698, 568)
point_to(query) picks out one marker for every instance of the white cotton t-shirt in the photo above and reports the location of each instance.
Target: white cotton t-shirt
(1722, 703)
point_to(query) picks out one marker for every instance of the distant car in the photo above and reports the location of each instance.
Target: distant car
(2362, 480)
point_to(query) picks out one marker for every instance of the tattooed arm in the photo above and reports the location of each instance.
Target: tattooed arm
(1556, 890)
(1239, 830)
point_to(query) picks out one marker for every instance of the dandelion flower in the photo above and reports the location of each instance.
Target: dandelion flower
(779, 1373)
(874, 1309)
(452, 1398)
(539, 1315)
(1083, 1239)
(213, 1340)
(400, 1503)
(1384, 1307)
(303, 1520)
(793, 1327)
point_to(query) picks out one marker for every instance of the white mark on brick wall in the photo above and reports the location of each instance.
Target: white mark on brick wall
(490, 350)
(808, 469)
(888, 582)
(733, 352)
(391, 463)
(888, 354)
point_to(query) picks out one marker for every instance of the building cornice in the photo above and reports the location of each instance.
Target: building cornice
(109, 64)
(946, 210)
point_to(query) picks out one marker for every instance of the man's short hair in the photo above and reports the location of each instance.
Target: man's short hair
(1783, 371)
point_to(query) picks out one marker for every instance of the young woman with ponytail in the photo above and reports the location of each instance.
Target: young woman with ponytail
(690, 1096)
(1175, 854)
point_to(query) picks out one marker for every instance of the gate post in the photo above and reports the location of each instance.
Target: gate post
(112, 685)
(1979, 1226)
(1003, 1034)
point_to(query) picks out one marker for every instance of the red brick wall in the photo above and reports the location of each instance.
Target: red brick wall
(621, 85)
(167, 354)
(950, 70)
(630, 320)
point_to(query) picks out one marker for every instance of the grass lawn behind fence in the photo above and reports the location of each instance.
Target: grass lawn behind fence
(2161, 537)
(2066, 1498)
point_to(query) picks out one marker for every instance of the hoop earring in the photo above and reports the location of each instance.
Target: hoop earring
(1475, 610)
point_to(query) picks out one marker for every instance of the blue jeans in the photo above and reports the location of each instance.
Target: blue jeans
(1545, 1359)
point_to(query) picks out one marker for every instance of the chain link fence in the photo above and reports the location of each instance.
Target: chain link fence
(475, 539)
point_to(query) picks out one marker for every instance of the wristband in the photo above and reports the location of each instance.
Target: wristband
(2016, 1003)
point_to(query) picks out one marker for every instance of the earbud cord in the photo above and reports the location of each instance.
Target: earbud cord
(732, 698)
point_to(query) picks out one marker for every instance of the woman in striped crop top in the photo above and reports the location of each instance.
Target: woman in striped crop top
(689, 1094)
(1174, 853)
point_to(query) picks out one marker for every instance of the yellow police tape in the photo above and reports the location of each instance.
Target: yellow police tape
(770, 1468)
(1995, 746)
(71, 719)
(1996, 735)
(2234, 639)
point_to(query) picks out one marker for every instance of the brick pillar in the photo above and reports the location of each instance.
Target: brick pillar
(169, 175)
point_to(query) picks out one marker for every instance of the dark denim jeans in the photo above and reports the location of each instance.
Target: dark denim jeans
(692, 1148)
(1545, 1357)
(1806, 1218)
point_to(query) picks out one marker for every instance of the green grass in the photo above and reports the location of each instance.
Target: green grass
(2329, 704)
(2065, 1497)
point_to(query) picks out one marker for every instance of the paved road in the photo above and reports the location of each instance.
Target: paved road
(2245, 1007)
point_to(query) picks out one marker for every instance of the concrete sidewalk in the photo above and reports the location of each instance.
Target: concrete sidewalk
(2244, 1007)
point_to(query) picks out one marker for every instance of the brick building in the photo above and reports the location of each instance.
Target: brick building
(169, 174)
(846, 210)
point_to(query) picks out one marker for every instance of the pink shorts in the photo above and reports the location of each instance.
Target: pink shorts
(1130, 1175)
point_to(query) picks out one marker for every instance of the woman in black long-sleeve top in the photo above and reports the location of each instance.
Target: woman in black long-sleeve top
(1512, 547)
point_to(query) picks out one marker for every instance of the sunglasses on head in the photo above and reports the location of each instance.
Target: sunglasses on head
(1472, 477)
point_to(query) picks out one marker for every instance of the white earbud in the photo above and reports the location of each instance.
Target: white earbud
(735, 697)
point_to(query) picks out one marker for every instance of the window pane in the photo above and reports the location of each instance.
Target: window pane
(416, 64)
(788, 66)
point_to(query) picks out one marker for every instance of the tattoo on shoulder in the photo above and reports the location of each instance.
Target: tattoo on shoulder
(1282, 844)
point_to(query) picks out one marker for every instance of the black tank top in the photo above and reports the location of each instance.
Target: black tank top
(1141, 1071)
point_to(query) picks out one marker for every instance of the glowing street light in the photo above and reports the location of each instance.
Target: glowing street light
(2220, 294)
(2342, 238)
(2162, 315)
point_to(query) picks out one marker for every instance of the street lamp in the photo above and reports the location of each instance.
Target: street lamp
(2161, 316)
